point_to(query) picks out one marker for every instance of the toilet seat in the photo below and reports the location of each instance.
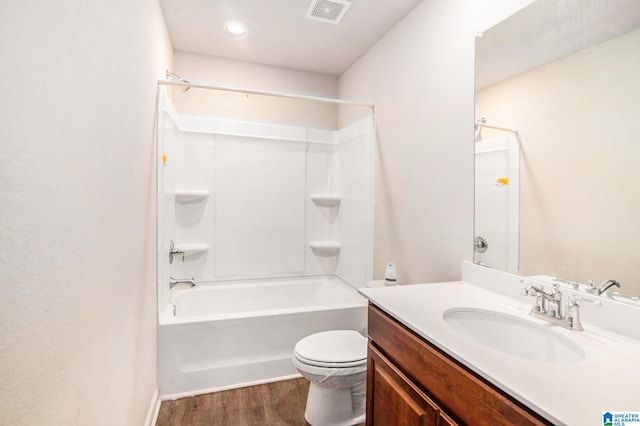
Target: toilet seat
(332, 349)
(331, 364)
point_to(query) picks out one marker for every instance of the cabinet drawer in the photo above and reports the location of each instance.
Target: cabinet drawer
(451, 386)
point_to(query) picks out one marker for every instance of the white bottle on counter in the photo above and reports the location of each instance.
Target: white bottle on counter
(390, 275)
(390, 278)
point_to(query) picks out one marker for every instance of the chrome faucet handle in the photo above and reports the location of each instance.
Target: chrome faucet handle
(535, 290)
(173, 252)
(574, 299)
(572, 313)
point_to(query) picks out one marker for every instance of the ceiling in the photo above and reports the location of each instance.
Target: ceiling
(279, 34)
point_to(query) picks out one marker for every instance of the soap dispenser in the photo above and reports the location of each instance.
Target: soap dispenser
(390, 275)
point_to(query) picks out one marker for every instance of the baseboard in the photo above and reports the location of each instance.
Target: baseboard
(154, 409)
(174, 396)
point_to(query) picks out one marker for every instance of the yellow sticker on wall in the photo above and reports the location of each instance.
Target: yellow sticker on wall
(164, 159)
(503, 181)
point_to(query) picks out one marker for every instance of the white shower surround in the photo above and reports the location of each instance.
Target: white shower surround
(497, 202)
(258, 217)
(252, 203)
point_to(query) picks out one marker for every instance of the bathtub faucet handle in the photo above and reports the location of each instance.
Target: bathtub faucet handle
(174, 252)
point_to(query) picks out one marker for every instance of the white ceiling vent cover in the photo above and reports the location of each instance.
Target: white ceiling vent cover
(328, 10)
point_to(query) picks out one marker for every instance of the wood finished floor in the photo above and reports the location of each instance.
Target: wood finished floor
(273, 404)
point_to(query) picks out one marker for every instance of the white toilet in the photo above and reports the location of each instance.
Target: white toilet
(335, 363)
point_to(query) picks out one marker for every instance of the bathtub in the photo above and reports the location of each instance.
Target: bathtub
(220, 336)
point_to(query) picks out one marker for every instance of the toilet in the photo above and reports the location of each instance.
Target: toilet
(335, 363)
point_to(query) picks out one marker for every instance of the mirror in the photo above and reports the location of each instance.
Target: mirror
(558, 142)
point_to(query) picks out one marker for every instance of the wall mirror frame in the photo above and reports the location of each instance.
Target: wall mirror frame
(558, 144)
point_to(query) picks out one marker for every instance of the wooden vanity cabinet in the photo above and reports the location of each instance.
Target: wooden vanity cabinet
(395, 400)
(410, 382)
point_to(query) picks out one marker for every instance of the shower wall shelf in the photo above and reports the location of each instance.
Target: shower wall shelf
(326, 200)
(186, 196)
(325, 247)
(190, 249)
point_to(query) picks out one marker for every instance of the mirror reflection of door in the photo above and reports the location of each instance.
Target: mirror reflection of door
(497, 193)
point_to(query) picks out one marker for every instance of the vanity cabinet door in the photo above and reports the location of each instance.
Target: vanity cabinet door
(393, 400)
(444, 420)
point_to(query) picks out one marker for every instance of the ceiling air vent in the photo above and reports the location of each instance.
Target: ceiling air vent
(328, 10)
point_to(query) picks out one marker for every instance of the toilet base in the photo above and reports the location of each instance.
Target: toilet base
(335, 407)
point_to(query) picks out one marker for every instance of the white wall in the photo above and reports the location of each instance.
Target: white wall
(254, 107)
(77, 221)
(421, 77)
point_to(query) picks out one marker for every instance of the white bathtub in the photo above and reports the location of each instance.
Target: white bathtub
(241, 333)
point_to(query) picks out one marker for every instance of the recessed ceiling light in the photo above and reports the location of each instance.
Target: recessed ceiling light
(236, 28)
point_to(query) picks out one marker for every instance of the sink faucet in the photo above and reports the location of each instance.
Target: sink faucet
(548, 306)
(547, 303)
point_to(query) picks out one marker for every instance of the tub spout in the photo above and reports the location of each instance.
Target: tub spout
(176, 281)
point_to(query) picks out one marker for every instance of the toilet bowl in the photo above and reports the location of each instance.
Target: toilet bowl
(335, 363)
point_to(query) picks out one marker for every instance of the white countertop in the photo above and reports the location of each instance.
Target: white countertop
(608, 379)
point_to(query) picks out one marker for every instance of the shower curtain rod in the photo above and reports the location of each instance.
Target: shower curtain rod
(187, 85)
(481, 122)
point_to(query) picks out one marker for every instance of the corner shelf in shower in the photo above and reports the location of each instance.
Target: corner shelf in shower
(191, 249)
(326, 248)
(187, 196)
(326, 200)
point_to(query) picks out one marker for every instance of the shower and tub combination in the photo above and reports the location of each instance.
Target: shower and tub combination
(265, 232)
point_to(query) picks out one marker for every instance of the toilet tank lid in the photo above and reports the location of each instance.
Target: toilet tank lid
(335, 346)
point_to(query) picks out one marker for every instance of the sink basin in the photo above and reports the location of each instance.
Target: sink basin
(513, 335)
